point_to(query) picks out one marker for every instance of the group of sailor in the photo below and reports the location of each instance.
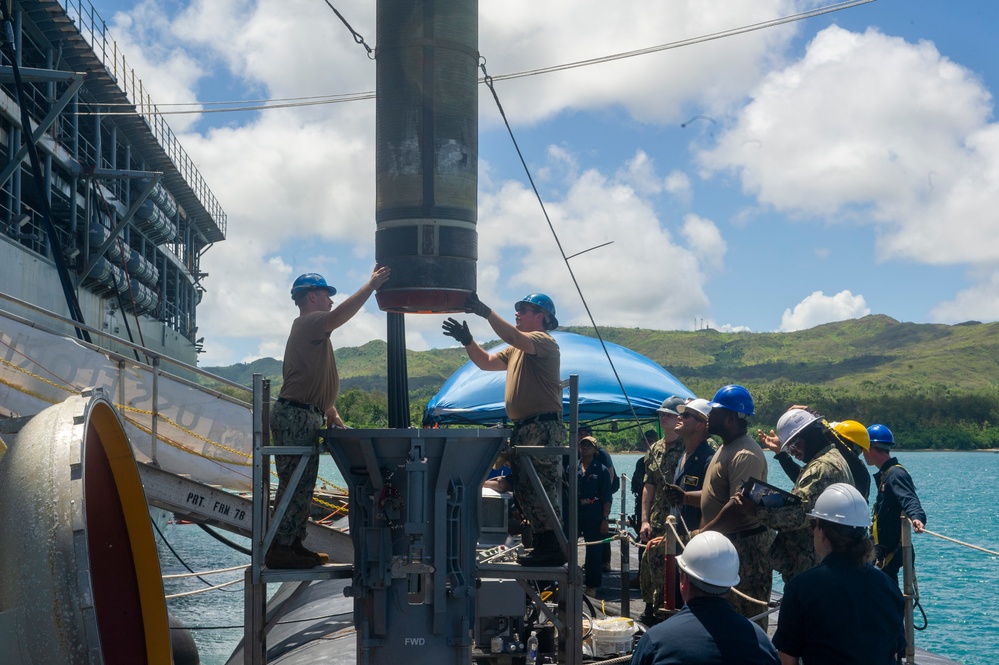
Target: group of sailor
(837, 608)
(842, 602)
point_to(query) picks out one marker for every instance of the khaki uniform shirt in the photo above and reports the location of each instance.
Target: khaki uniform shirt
(733, 464)
(532, 381)
(310, 374)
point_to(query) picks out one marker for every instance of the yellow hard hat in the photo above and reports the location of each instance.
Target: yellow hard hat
(854, 432)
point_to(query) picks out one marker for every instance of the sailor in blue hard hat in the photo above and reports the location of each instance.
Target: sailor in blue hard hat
(533, 403)
(737, 460)
(896, 495)
(307, 403)
(310, 281)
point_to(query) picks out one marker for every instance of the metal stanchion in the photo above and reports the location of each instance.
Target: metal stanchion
(908, 590)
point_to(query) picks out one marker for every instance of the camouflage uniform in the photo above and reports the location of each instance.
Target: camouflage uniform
(549, 468)
(660, 468)
(755, 573)
(293, 426)
(793, 550)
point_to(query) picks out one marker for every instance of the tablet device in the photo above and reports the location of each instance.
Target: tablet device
(768, 496)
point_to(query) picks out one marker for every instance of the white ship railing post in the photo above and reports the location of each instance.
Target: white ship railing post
(908, 589)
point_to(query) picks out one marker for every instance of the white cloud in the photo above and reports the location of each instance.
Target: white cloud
(980, 302)
(624, 283)
(677, 183)
(818, 308)
(705, 240)
(905, 144)
(520, 35)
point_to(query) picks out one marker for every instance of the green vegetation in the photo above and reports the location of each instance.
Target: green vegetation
(936, 386)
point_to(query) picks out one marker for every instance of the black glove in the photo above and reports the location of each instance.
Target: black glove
(457, 330)
(474, 306)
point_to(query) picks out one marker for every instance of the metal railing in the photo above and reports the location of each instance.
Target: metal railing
(93, 28)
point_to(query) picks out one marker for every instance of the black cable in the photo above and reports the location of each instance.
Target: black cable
(558, 242)
(222, 539)
(181, 560)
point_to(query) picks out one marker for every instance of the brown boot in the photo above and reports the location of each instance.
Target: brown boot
(320, 557)
(284, 557)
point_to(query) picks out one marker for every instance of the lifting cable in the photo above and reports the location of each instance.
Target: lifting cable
(292, 102)
(558, 242)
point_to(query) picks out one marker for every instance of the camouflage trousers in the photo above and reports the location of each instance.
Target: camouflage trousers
(549, 468)
(793, 552)
(292, 426)
(755, 573)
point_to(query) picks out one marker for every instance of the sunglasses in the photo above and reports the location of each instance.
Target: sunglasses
(688, 414)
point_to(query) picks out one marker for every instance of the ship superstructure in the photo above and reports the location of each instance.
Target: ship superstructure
(131, 215)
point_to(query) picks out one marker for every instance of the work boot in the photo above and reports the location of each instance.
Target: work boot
(320, 557)
(284, 557)
(648, 617)
(546, 552)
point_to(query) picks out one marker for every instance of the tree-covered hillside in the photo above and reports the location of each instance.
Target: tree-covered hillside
(935, 386)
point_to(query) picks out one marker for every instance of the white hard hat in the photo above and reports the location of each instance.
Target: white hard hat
(841, 503)
(701, 406)
(792, 423)
(710, 558)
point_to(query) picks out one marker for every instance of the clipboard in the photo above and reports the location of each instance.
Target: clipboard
(768, 496)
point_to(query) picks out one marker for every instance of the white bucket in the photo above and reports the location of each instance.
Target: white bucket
(612, 635)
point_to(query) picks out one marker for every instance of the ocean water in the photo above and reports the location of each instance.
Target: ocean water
(958, 586)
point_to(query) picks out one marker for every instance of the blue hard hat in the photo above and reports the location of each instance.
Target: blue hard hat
(881, 436)
(734, 398)
(545, 303)
(308, 282)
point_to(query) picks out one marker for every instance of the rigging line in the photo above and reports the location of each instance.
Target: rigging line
(558, 242)
(686, 42)
(357, 38)
(258, 105)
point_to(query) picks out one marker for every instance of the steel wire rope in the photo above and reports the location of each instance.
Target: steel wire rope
(558, 242)
(686, 42)
(286, 102)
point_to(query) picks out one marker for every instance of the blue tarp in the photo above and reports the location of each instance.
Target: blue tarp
(475, 396)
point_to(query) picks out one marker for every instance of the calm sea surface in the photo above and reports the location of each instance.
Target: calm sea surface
(958, 586)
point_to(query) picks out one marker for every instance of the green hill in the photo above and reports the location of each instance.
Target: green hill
(936, 386)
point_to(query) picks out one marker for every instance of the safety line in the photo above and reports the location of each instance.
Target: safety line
(214, 587)
(178, 576)
(954, 540)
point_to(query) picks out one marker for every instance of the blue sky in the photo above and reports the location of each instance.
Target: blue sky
(821, 170)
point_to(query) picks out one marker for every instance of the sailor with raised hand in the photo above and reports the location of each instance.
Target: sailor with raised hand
(307, 404)
(737, 460)
(533, 402)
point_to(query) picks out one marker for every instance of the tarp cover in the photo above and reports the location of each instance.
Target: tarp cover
(476, 397)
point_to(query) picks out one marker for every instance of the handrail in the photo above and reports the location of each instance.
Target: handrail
(93, 28)
(149, 353)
